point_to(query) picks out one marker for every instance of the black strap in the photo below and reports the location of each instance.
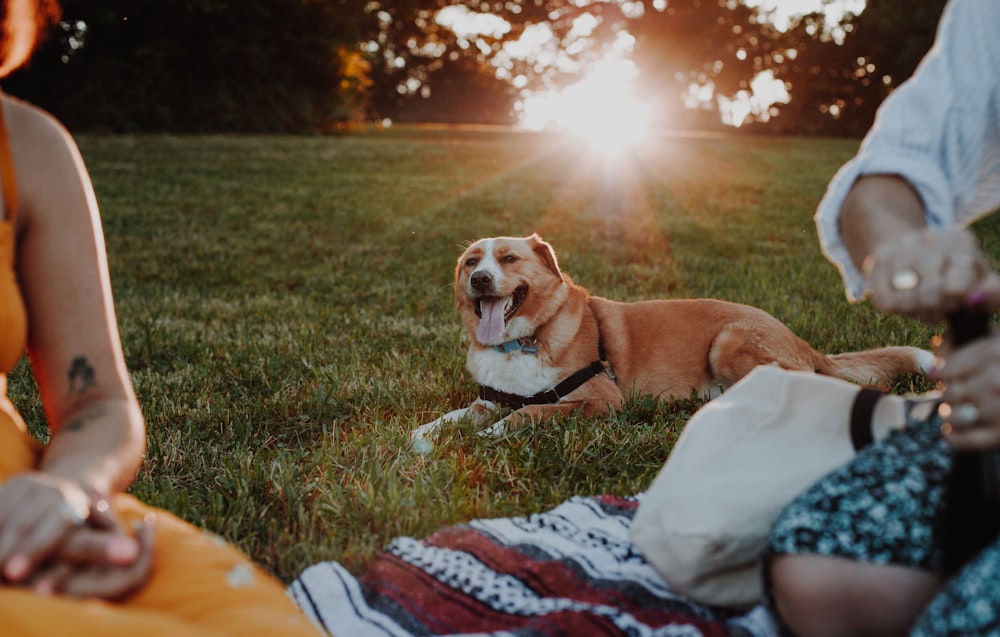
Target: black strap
(549, 397)
(554, 395)
(861, 416)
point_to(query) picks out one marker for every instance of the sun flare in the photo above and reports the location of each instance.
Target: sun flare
(601, 109)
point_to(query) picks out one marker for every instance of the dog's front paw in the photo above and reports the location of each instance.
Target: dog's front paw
(511, 422)
(497, 429)
(427, 431)
(477, 411)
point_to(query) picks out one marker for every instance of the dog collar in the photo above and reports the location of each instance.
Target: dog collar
(527, 344)
(550, 397)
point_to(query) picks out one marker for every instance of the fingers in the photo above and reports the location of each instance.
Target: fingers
(931, 273)
(971, 396)
(42, 534)
(103, 542)
(101, 514)
(978, 360)
(972, 438)
(26, 543)
(98, 547)
(960, 274)
(38, 513)
(48, 580)
(98, 562)
(114, 582)
(987, 294)
(93, 576)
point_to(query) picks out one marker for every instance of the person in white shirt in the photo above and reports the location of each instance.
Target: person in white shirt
(858, 553)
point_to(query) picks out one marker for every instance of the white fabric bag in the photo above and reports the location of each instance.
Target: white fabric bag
(703, 523)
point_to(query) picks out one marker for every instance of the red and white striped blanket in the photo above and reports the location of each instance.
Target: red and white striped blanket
(568, 571)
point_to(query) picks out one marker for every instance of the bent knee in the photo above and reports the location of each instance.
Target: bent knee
(818, 596)
(801, 594)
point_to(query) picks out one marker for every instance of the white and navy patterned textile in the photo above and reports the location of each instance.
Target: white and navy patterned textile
(568, 571)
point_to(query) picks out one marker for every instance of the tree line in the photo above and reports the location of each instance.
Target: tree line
(318, 65)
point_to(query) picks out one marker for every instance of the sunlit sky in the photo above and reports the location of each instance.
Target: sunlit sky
(606, 92)
(784, 10)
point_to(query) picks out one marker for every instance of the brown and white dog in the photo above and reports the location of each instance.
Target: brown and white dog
(543, 345)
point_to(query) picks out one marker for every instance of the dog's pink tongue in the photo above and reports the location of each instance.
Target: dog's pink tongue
(490, 328)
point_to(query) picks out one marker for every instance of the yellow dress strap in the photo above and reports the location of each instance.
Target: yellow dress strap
(7, 179)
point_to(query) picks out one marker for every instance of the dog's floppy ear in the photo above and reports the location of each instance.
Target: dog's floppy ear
(545, 253)
(459, 296)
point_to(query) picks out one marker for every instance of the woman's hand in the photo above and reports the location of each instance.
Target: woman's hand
(100, 560)
(971, 375)
(58, 539)
(930, 273)
(38, 512)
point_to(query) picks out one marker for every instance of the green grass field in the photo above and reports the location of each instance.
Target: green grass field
(287, 313)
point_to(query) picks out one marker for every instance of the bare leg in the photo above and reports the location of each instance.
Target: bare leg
(820, 596)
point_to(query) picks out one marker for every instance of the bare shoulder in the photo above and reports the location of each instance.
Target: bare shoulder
(33, 129)
(47, 162)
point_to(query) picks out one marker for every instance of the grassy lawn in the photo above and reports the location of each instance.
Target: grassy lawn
(287, 313)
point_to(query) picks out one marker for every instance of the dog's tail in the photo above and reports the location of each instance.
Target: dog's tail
(879, 366)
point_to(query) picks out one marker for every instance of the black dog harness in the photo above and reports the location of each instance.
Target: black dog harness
(554, 395)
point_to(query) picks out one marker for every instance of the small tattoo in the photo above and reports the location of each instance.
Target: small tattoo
(81, 376)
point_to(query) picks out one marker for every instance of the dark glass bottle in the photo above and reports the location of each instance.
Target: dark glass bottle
(971, 515)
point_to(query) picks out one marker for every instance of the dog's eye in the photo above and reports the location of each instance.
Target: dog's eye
(510, 258)
(471, 262)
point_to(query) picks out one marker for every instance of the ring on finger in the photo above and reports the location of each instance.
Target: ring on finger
(965, 413)
(905, 279)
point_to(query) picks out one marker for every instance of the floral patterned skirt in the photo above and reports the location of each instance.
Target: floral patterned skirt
(881, 508)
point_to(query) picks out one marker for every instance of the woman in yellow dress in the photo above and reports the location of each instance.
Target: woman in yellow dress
(77, 555)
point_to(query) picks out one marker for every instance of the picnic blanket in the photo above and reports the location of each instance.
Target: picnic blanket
(568, 571)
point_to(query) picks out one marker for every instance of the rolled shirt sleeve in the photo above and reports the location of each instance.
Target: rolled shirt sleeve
(940, 130)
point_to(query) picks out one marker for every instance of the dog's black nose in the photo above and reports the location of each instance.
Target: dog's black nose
(481, 281)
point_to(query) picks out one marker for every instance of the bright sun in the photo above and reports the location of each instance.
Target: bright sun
(601, 109)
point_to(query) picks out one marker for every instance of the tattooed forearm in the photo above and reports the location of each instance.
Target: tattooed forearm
(81, 376)
(83, 419)
(74, 425)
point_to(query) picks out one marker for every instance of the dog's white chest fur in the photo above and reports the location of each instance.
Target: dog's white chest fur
(514, 373)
